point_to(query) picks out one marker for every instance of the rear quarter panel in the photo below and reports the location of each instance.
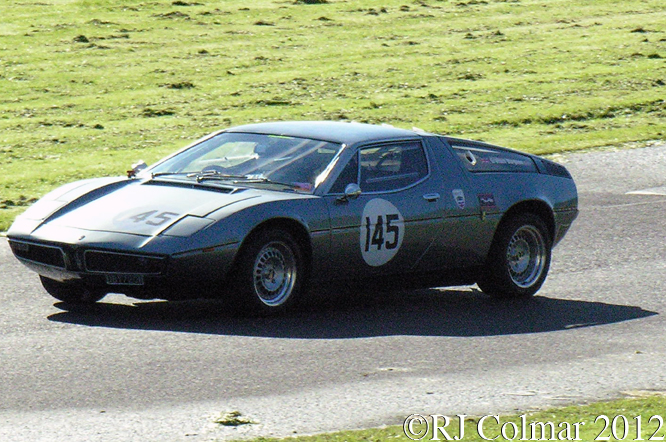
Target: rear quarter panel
(511, 178)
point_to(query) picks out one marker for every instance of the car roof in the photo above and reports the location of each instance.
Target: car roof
(333, 131)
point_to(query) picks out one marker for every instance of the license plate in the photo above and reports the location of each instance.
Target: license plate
(128, 279)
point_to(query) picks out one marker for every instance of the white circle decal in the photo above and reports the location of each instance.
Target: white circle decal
(382, 231)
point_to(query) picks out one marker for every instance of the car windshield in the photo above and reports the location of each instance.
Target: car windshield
(253, 159)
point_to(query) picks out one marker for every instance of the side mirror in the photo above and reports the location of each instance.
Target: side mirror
(136, 168)
(352, 191)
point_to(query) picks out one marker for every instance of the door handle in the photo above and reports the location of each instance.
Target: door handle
(431, 197)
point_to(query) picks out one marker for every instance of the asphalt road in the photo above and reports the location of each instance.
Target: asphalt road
(157, 371)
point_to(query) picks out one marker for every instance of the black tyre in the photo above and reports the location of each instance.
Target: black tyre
(71, 292)
(269, 273)
(519, 258)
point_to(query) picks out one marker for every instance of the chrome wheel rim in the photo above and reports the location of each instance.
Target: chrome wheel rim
(526, 256)
(274, 273)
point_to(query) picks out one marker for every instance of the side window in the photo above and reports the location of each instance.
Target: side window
(392, 166)
(478, 158)
(348, 175)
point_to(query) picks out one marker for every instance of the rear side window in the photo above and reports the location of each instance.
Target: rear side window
(486, 159)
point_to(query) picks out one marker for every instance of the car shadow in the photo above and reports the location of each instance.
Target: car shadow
(431, 312)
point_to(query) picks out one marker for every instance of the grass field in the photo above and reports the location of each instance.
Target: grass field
(89, 86)
(637, 418)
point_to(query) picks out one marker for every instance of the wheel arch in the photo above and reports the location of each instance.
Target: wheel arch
(294, 227)
(537, 207)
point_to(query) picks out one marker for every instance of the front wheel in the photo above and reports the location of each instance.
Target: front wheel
(519, 258)
(270, 272)
(71, 292)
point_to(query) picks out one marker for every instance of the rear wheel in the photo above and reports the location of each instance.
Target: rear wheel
(519, 258)
(71, 292)
(270, 271)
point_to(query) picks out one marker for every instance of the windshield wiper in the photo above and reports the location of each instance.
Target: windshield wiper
(263, 180)
(213, 175)
(239, 179)
(244, 179)
(157, 174)
(303, 187)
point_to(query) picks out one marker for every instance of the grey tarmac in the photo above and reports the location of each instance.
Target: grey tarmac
(157, 371)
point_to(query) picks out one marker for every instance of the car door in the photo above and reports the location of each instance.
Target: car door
(465, 231)
(390, 225)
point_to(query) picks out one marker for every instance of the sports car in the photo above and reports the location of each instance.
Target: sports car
(263, 214)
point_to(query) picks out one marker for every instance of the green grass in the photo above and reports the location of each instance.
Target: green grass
(89, 86)
(592, 427)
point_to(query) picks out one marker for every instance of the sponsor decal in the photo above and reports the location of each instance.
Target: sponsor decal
(459, 196)
(511, 161)
(382, 232)
(487, 201)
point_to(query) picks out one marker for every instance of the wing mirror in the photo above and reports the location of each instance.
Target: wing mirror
(352, 191)
(136, 168)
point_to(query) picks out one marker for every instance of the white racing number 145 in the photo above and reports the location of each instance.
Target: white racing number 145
(382, 231)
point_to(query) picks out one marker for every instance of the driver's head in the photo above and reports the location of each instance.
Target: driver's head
(274, 147)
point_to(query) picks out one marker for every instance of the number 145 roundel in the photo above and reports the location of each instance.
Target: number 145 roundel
(261, 215)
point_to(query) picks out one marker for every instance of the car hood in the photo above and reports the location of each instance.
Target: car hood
(146, 207)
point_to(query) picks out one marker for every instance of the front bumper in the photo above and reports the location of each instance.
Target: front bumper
(194, 274)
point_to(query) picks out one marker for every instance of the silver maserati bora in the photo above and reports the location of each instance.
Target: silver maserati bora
(263, 214)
